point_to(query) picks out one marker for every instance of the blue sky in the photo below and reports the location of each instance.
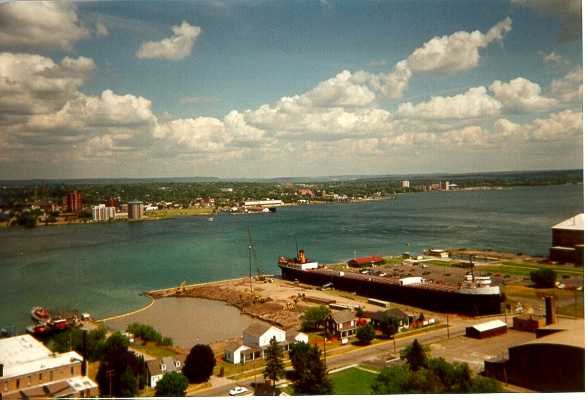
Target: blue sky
(211, 105)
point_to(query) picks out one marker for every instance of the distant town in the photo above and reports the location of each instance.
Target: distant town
(53, 202)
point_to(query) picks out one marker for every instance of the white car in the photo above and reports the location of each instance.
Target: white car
(237, 390)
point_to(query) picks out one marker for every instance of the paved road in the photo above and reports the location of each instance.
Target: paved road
(381, 352)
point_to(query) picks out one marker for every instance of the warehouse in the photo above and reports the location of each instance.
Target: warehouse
(487, 329)
(368, 261)
(568, 241)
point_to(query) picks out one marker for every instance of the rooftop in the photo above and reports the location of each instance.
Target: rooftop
(343, 316)
(576, 223)
(18, 350)
(486, 326)
(256, 329)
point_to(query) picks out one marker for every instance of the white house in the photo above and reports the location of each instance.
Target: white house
(234, 352)
(158, 368)
(293, 336)
(258, 335)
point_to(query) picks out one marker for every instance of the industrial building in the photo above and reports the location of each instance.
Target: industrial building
(568, 241)
(553, 362)
(405, 184)
(28, 369)
(486, 329)
(368, 261)
(135, 210)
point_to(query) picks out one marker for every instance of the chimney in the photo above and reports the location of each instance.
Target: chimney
(550, 310)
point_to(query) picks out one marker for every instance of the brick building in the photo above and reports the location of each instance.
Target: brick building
(29, 369)
(568, 241)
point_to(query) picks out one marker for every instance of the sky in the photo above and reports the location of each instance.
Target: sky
(267, 88)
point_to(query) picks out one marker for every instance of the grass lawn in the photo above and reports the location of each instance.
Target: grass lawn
(153, 349)
(352, 381)
(525, 268)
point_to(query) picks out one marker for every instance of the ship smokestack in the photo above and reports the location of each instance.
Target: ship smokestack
(550, 317)
(301, 257)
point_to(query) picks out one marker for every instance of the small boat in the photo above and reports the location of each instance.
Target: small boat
(59, 324)
(38, 329)
(40, 314)
(210, 219)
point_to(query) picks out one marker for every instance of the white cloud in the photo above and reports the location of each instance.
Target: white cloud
(568, 89)
(49, 25)
(186, 100)
(177, 47)
(390, 85)
(556, 127)
(101, 29)
(553, 59)
(475, 103)
(521, 95)
(340, 91)
(33, 84)
(569, 12)
(457, 52)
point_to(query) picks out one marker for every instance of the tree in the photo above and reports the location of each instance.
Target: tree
(120, 371)
(543, 277)
(274, 367)
(359, 312)
(437, 376)
(310, 374)
(199, 364)
(313, 317)
(172, 384)
(365, 334)
(415, 355)
(389, 325)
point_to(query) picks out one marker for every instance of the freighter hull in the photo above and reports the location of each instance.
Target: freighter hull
(422, 296)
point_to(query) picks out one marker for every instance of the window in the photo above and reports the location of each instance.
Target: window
(178, 364)
(30, 380)
(40, 376)
(17, 383)
(163, 367)
(71, 370)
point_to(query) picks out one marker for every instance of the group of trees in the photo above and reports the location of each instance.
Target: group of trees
(310, 373)
(148, 333)
(421, 374)
(72, 339)
(121, 372)
(313, 318)
(543, 277)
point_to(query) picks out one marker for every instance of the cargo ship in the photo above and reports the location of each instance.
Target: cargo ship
(475, 296)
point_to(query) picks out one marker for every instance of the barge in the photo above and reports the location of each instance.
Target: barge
(474, 297)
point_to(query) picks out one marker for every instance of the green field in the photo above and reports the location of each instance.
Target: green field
(524, 268)
(352, 381)
(179, 212)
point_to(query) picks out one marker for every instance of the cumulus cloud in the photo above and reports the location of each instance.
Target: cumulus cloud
(48, 25)
(521, 95)
(568, 89)
(34, 84)
(556, 127)
(569, 12)
(475, 103)
(457, 52)
(177, 47)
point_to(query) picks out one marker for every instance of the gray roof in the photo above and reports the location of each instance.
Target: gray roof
(232, 346)
(394, 312)
(154, 366)
(256, 329)
(343, 316)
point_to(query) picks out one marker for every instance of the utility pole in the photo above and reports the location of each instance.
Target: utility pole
(325, 343)
(109, 373)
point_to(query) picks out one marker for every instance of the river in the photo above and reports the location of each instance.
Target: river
(104, 268)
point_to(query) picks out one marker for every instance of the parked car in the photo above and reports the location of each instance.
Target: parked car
(237, 390)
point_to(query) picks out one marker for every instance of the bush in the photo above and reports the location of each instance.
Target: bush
(366, 334)
(543, 277)
(199, 364)
(172, 384)
(148, 333)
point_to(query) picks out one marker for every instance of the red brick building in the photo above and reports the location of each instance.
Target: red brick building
(74, 202)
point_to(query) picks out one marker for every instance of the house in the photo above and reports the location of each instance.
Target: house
(342, 323)
(234, 351)
(157, 368)
(379, 316)
(293, 336)
(568, 241)
(256, 339)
